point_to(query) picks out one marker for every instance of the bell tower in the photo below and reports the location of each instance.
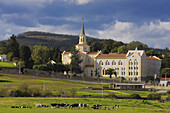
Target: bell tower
(82, 46)
(82, 36)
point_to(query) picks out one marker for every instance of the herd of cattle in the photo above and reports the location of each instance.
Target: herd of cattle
(80, 105)
(63, 105)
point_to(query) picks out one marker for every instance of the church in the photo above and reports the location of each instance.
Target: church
(133, 66)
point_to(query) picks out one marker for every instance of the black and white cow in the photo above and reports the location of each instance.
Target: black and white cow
(115, 106)
(75, 105)
(97, 106)
(106, 108)
(56, 105)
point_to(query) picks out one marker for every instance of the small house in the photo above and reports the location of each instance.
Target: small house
(3, 58)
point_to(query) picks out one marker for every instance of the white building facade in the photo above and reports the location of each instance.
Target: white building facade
(133, 66)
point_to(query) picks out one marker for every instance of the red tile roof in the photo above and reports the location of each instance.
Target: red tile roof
(93, 53)
(112, 55)
(162, 79)
(153, 58)
(66, 53)
(81, 53)
(89, 66)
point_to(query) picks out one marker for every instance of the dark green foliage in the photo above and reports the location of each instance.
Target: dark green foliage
(75, 62)
(168, 92)
(168, 98)
(135, 96)
(42, 67)
(55, 54)
(112, 95)
(154, 96)
(13, 47)
(110, 72)
(3, 47)
(41, 54)
(47, 94)
(165, 72)
(74, 74)
(25, 55)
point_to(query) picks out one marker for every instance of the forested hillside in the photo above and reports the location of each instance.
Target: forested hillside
(50, 39)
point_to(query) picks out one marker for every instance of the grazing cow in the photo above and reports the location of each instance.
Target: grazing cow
(75, 105)
(46, 106)
(85, 106)
(38, 105)
(106, 108)
(115, 106)
(97, 106)
(55, 105)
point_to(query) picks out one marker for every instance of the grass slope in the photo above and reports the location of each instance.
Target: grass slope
(6, 64)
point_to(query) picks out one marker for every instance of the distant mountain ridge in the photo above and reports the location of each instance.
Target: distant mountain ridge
(62, 41)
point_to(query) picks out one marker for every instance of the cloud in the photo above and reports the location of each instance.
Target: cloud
(79, 2)
(39, 3)
(153, 34)
(7, 29)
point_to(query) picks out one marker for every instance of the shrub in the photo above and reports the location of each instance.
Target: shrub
(74, 74)
(112, 95)
(154, 96)
(3, 92)
(47, 94)
(41, 67)
(168, 92)
(168, 98)
(36, 92)
(15, 93)
(135, 96)
(71, 92)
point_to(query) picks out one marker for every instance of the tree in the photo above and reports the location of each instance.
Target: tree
(3, 47)
(75, 61)
(25, 56)
(110, 72)
(13, 47)
(165, 72)
(55, 54)
(122, 49)
(40, 54)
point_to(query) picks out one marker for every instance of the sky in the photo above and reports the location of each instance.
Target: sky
(147, 21)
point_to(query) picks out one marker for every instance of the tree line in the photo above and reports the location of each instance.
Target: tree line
(39, 56)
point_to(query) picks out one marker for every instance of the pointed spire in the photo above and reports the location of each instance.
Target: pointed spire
(136, 49)
(82, 27)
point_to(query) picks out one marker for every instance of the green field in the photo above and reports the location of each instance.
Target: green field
(128, 105)
(6, 64)
(12, 81)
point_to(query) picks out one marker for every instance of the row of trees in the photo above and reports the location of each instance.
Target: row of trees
(39, 57)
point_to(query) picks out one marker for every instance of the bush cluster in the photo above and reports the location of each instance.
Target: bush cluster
(154, 96)
(24, 91)
(135, 96)
(112, 95)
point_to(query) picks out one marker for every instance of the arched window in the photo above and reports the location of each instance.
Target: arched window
(107, 63)
(103, 72)
(100, 62)
(120, 62)
(130, 62)
(135, 62)
(113, 62)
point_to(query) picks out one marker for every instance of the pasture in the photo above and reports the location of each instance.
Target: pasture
(12, 81)
(6, 64)
(126, 105)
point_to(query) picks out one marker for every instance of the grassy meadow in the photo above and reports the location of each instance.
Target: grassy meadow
(6, 64)
(129, 105)
(12, 81)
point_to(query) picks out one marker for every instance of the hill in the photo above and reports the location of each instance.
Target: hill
(62, 41)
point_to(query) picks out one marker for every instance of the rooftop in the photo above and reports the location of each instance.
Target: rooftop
(112, 56)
